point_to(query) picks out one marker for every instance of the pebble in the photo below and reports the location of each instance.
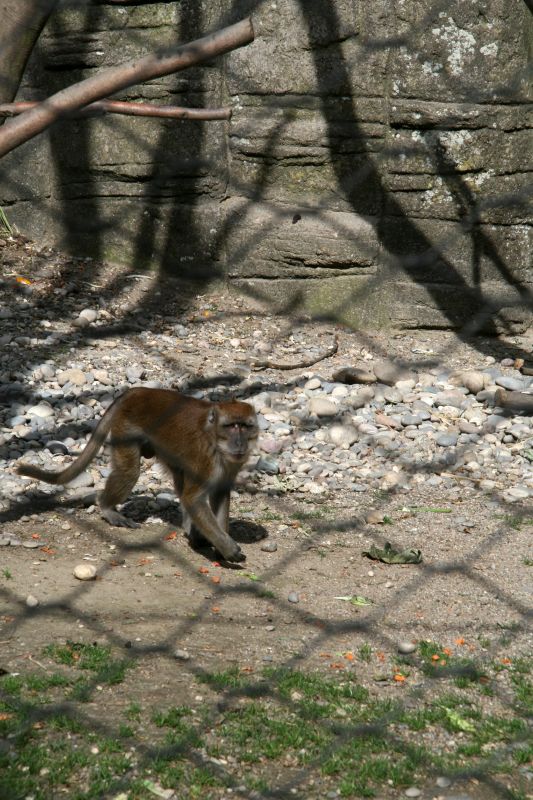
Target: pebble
(84, 572)
(343, 435)
(389, 374)
(269, 547)
(74, 376)
(181, 655)
(443, 782)
(88, 314)
(293, 597)
(413, 791)
(268, 465)
(354, 375)
(57, 447)
(511, 384)
(406, 647)
(42, 410)
(472, 380)
(446, 440)
(32, 601)
(7, 539)
(322, 407)
(375, 517)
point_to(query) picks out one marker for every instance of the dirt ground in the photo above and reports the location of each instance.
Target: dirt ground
(154, 596)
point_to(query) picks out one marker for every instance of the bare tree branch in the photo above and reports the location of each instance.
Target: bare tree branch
(123, 107)
(155, 65)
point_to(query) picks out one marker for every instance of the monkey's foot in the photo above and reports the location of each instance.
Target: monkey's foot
(118, 520)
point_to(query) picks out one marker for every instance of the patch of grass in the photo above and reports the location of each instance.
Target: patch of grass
(133, 711)
(515, 521)
(438, 662)
(365, 652)
(84, 656)
(343, 735)
(92, 657)
(7, 574)
(314, 685)
(270, 516)
(523, 690)
(230, 678)
(258, 733)
(430, 510)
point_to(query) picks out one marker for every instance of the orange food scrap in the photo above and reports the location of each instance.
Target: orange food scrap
(443, 662)
(506, 661)
(324, 655)
(144, 561)
(177, 574)
(399, 678)
(215, 564)
(446, 651)
(349, 656)
(25, 281)
(380, 655)
(247, 669)
(460, 641)
(4, 715)
(203, 571)
(36, 536)
(170, 536)
(336, 665)
(215, 579)
(435, 657)
(48, 550)
(215, 609)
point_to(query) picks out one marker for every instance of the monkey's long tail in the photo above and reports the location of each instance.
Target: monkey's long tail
(86, 456)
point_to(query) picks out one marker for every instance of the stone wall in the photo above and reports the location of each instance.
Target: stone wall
(376, 164)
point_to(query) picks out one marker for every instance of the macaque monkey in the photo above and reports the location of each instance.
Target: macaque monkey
(202, 444)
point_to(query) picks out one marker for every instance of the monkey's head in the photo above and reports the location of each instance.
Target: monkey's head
(236, 429)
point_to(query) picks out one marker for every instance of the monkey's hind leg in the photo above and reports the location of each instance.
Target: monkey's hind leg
(126, 466)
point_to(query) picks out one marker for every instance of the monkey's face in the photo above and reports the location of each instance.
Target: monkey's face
(236, 431)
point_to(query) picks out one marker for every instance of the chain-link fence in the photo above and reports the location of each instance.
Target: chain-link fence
(330, 664)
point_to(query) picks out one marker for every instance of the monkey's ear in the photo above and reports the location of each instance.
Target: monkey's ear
(212, 418)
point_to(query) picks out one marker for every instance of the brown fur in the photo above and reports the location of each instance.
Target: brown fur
(202, 444)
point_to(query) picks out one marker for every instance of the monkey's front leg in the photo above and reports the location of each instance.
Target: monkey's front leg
(196, 506)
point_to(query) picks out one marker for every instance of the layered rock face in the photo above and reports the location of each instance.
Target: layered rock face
(376, 166)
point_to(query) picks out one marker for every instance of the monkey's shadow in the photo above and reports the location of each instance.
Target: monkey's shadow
(242, 530)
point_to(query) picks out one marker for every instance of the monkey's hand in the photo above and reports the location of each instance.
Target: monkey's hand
(118, 520)
(207, 525)
(236, 556)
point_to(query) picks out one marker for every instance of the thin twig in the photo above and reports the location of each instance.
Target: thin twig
(267, 364)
